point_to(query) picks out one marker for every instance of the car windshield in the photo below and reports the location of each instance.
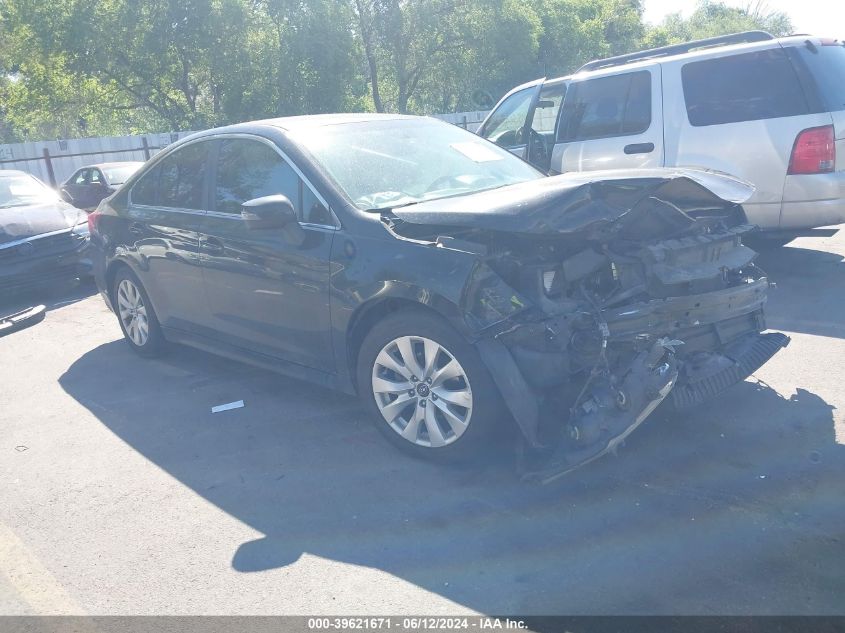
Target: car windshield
(18, 190)
(119, 175)
(388, 164)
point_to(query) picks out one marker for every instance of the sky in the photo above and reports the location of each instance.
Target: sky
(816, 17)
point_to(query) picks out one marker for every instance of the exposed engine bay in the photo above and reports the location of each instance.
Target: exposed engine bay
(596, 297)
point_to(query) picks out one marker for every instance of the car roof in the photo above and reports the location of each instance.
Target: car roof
(121, 163)
(310, 121)
(718, 50)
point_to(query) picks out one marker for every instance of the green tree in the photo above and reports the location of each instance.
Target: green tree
(711, 19)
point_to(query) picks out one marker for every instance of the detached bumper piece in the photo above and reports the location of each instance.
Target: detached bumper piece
(20, 320)
(733, 365)
(613, 405)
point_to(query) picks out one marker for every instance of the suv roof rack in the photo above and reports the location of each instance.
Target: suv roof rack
(676, 49)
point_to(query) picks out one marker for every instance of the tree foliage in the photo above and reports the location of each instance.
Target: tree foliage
(98, 67)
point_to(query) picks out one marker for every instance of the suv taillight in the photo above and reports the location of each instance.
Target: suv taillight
(814, 151)
(93, 218)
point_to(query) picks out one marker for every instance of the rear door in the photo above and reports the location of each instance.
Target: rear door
(611, 119)
(166, 206)
(265, 291)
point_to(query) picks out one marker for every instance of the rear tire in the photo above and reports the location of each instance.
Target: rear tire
(426, 389)
(136, 316)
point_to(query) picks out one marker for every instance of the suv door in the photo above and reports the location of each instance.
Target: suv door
(165, 208)
(506, 124)
(267, 290)
(542, 124)
(612, 120)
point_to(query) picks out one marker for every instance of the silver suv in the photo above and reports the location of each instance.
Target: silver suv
(769, 111)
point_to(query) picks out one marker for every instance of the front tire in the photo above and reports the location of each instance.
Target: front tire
(136, 316)
(426, 389)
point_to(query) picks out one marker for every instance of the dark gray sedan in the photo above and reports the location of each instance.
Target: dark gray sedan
(440, 277)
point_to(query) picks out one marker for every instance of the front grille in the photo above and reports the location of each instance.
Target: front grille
(41, 247)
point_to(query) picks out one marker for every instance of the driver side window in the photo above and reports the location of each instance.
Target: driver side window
(506, 126)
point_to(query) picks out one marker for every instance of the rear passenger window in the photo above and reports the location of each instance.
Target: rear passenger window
(182, 177)
(619, 105)
(827, 66)
(747, 87)
(145, 190)
(178, 181)
(251, 169)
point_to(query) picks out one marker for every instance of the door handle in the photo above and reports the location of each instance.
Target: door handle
(137, 228)
(211, 246)
(639, 148)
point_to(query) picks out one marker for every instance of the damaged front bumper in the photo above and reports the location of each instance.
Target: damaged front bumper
(594, 374)
(596, 297)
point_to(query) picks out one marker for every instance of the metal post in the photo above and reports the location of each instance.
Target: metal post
(146, 148)
(50, 174)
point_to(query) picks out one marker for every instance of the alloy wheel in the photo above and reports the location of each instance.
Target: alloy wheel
(422, 391)
(133, 312)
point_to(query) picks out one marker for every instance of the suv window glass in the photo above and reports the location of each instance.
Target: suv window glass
(182, 175)
(827, 65)
(251, 169)
(619, 105)
(506, 124)
(747, 87)
(548, 106)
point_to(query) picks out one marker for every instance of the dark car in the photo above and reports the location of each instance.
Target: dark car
(90, 184)
(445, 280)
(42, 238)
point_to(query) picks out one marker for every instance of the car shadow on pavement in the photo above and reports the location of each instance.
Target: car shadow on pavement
(52, 296)
(710, 512)
(809, 296)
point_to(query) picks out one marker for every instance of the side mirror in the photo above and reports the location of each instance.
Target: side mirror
(269, 212)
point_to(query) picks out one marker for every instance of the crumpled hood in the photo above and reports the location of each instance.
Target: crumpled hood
(17, 223)
(576, 201)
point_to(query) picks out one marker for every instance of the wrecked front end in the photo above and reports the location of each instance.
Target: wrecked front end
(603, 296)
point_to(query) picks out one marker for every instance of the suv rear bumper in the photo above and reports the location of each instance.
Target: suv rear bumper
(813, 200)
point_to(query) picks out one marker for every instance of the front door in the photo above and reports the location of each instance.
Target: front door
(611, 121)
(507, 125)
(267, 289)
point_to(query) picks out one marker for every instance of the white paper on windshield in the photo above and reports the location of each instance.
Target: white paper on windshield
(476, 152)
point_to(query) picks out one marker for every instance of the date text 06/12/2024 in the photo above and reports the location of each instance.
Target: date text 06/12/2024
(415, 623)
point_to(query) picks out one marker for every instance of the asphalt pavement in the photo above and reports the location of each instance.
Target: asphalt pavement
(121, 493)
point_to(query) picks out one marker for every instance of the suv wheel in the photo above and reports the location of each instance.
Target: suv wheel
(136, 316)
(426, 388)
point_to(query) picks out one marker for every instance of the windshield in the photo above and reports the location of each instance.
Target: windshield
(119, 175)
(387, 164)
(18, 190)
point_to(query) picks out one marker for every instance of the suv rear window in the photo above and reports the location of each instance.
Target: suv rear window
(746, 87)
(827, 65)
(619, 105)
